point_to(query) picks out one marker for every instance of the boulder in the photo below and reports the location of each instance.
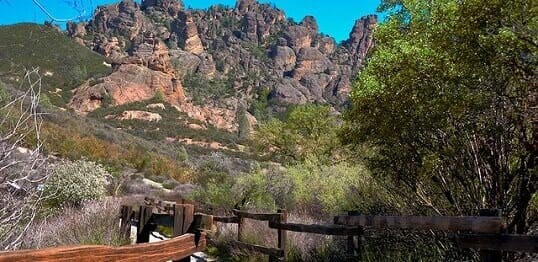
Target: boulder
(310, 60)
(298, 37)
(139, 115)
(284, 58)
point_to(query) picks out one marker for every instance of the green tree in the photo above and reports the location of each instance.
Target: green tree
(309, 131)
(448, 99)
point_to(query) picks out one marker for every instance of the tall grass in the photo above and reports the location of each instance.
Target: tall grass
(95, 223)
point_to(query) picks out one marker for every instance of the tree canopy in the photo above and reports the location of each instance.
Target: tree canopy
(448, 100)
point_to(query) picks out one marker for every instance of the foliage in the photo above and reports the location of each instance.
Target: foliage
(339, 188)
(182, 154)
(73, 183)
(203, 89)
(305, 187)
(308, 131)
(243, 129)
(446, 100)
(260, 107)
(36, 46)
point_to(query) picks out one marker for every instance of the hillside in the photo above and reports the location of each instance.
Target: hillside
(63, 63)
(184, 76)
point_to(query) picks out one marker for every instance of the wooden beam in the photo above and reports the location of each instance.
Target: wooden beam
(441, 223)
(257, 248)
(505, 242)
(335, 230)
(173, 249)
(225, 219)
(257, 216)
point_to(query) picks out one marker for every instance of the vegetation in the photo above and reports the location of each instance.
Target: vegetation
(73, 183)
(66, 65)
(243, 124)
(452, 122)
(202, 89)
(307, 131)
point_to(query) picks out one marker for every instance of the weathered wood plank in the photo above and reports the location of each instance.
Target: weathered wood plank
(178, 218)
(442, 223)
(335, 230)
(505, 242)
(125, 226)
(143, 228)
(282, 235)
(173, 249)
(257, 216)
(188, 217)
(257, 248)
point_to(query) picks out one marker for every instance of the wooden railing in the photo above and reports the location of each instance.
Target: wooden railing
(189, 224)
(174, 249)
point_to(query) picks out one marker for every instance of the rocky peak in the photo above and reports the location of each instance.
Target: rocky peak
(122, 19)
(310, 23)
(187, 32)
(360, 39)
(243, 6)
(235, 53)
(152, 52)
(172, 7)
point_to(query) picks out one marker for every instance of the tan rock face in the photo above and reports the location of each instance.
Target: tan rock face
(298, 37)
(128, 84)
(217, 117)
(153, 53)
(310, 60)
(139, 115)
(186, 29)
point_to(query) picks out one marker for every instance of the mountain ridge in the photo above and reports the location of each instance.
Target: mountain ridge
(212, 62)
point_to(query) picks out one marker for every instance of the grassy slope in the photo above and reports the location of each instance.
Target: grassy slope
(31, 45)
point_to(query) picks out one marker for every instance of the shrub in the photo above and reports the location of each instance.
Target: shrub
(73, 183)
(96, 223)
(182, 154)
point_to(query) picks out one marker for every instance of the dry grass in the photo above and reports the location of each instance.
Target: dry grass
(96, 223)
(301, 246)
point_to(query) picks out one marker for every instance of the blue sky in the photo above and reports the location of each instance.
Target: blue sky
(335, 17)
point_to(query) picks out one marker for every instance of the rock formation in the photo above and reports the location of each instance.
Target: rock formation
(246, 49)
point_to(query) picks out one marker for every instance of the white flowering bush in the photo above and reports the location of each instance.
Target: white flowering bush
(73, 183)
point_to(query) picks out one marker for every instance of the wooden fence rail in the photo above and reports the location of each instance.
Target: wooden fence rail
(474, 224)
(174, 249)
(484, 233)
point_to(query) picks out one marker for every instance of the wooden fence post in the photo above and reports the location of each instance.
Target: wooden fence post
(240, 222)
(182, 222)
(125, 226)
(144, 228)
(490, 255)
(282, 234)
(351, 245)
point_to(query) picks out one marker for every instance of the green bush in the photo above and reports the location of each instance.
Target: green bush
(73, 183)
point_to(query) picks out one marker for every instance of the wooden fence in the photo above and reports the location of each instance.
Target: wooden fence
(189, 224)
(485, 232)
(146, 217)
